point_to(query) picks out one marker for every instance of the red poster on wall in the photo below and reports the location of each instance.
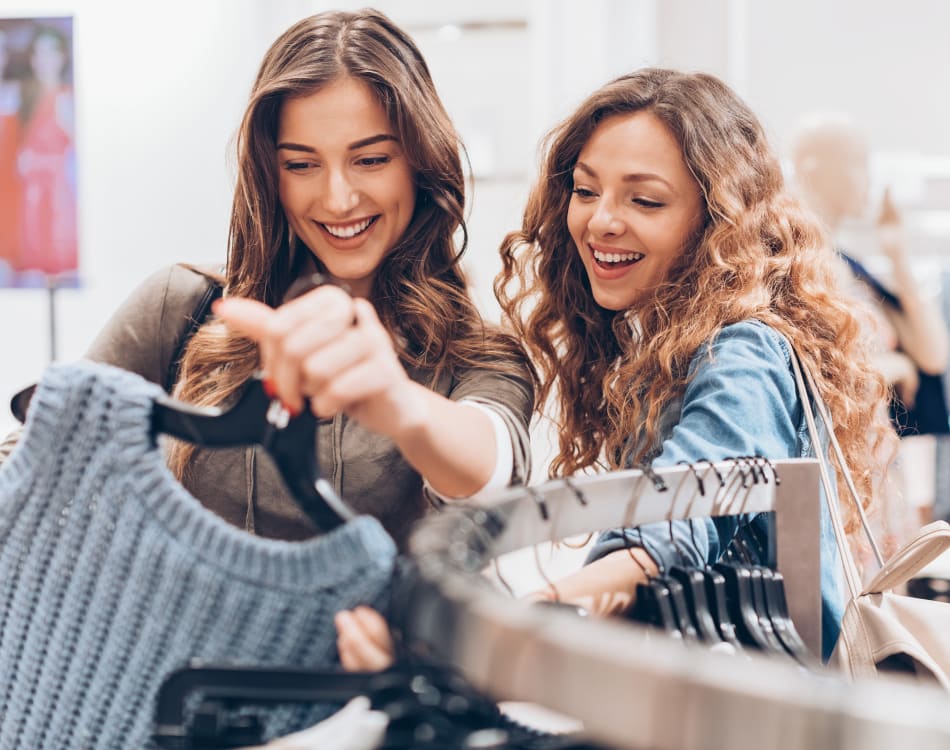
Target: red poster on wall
(38, 217)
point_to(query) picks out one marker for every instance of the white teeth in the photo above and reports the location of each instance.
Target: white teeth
(345, 231)
(616, 257)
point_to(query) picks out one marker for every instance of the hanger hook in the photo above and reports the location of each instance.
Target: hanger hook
(627, 520)
(699, 479)
(729, 491)
(578, 493)
(488, 524)
(776, 479)
(539, 501)
(746, 471)
(738, 541)
(689, 506)
(658, 482)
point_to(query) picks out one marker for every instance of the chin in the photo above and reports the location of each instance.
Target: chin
(611, 303)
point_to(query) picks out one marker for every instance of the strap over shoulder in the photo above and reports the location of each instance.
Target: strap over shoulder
(199, 314)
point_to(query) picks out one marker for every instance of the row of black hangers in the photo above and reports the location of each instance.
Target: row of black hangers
(737, 600)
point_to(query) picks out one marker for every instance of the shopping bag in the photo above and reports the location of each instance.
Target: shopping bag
(882, 631)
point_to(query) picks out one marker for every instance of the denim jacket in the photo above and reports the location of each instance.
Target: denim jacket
(740, 402)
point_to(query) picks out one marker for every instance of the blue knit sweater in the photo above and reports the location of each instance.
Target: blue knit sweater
(112, 575)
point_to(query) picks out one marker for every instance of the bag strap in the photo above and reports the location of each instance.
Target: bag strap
(195, 321)
(931, 542)
(845, 470)
(844, 551)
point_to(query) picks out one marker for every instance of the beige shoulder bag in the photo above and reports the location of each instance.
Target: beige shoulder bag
(881, 631)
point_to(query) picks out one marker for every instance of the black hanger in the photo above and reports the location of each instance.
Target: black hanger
(767, 587)
(692, 578)
(771, 585)
(761, 599)
(682, 609)
(745, 595)
(654, 599)
(429, 707)
(256, 419)
(741, 605)
(740, 600)
(774, 586)
(665, 588)
(769, 593)
(653, 604)
(714, 583)
(741, 542)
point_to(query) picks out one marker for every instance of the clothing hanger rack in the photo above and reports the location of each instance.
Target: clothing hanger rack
(633, 497)
(629, 688)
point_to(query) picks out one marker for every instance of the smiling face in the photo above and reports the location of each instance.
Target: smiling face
(634, 208)
(345, 185)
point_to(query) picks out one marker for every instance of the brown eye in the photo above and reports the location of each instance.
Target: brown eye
(373, 161)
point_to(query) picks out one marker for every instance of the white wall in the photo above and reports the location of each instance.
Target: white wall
(159, 90)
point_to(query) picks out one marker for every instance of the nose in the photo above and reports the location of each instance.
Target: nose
(341, 195)
(604, 221)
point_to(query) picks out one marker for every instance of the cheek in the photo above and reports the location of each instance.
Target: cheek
(576, 223)
(677, 236)
(288, 195)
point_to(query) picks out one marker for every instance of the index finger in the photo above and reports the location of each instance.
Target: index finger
(246, 316)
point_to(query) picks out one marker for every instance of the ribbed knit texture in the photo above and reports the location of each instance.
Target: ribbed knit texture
(112, 575)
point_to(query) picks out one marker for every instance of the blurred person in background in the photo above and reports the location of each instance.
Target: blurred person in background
(830, 158)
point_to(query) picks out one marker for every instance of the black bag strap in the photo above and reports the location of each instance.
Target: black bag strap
(198, 316)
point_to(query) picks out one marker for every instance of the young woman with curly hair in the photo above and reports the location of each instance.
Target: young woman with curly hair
(661, 279)
(348, 165)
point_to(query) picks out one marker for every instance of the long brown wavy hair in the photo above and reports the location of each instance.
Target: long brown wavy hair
(419, 291)
(756, 255)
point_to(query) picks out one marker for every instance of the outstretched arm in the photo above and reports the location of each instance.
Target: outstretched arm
(329, 351)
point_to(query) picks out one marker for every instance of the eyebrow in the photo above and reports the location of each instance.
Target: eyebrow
(362, 143)
(634, 177)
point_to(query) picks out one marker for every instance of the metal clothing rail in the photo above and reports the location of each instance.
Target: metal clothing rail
(559, 508)
(628, 687)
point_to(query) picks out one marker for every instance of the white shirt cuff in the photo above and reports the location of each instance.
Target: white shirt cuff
(504, 453)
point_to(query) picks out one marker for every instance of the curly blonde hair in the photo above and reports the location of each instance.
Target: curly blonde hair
(419, 291)
(756, 255)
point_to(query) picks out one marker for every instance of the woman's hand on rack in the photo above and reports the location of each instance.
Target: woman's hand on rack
(330, 349)
(604, 587)
(363, 640)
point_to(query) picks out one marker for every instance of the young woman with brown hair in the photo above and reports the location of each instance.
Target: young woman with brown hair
(662, 280)
(348, 165)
